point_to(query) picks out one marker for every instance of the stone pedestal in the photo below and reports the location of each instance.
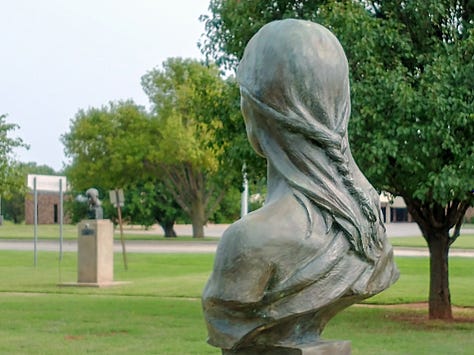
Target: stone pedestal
(319, 348)
(95, 256)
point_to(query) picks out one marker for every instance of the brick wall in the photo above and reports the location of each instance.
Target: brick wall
(48, 208)
(469, 216)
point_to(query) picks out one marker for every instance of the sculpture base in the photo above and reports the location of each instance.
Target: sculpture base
(321, 348)
(95, 252)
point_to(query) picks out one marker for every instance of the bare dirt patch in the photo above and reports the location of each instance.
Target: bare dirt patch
(73, 337)
(416, 314)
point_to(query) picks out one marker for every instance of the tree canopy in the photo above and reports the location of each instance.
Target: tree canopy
(174, 158)
(412, 87)
(11, 179)
(107, 144)
(189, 103)
(108, 147)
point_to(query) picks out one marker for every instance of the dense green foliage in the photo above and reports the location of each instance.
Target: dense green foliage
(13, 207)
(174, 162)
(190, 103)
(108, 147)
(148, 202)
(10, 174)
(412, 87)
(412, 76)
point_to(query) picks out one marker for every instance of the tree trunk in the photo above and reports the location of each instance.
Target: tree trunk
(168, 228)
(167, 224)
(435, 222)
(198, 218)
(439, 296)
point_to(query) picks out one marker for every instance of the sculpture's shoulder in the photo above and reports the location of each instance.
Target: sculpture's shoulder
(242, 231)
(239, 240)
(267, 244)
(273, 222)
(242, 266)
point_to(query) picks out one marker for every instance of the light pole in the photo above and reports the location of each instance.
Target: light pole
(244, 206)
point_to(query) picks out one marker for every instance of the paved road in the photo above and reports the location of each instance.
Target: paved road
(171, 246)
(216, 230)
(181, 247)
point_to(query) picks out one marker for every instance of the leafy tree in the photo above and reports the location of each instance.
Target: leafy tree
(14, 205)
(108, 147)
(190, 104)
(239, 155)
(142, 207)
(34, 168)
(229, 208)
(231, 24)
(412, 78)
(76, 208)
(10, 174)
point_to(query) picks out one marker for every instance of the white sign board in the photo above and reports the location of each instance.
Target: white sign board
(117, 197)
(46, 182)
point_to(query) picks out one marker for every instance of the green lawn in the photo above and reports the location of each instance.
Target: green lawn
(159, 311)
(51, 232)
(79, 324)
(48, 231)
(463, 242)
(414, 282)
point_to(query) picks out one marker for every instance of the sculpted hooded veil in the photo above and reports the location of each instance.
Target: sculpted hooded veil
(295, 89)
(297, 78)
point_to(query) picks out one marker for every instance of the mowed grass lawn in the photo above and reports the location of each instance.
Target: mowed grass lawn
(159, 311)
(51, 232)
(465, 241)
(11, 231)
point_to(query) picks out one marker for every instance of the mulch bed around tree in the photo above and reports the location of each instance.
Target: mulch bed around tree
(416, 314)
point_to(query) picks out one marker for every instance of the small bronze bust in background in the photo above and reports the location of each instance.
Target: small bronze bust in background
(95, 206)
(318, 244)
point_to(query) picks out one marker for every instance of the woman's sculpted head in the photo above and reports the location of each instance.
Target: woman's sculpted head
(294, 84)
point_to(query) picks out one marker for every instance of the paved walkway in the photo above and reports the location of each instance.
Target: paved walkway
(216, 230)
(173, 246)
(181, 247)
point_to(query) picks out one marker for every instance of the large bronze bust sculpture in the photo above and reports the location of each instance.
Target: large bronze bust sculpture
(318, 244)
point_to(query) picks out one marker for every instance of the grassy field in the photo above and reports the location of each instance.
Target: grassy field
(159, 311)
(463, 242)
(48, 231)
(51, 232)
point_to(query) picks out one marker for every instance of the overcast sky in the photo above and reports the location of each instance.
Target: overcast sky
(59, 56)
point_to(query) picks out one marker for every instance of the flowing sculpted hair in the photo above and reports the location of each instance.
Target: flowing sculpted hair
(294, 77)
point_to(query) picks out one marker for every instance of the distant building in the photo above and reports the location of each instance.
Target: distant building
(47, 189)
(469, 216)
(394, 209)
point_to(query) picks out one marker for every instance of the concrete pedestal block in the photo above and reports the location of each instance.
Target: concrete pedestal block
(319, 348)
(95, 257)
